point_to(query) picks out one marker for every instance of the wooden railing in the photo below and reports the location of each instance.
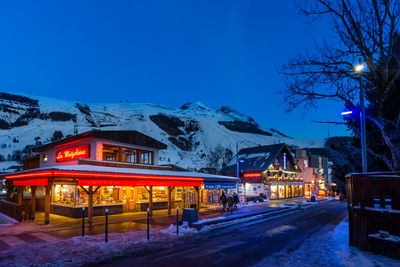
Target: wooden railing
(18, 212)
(374, 212)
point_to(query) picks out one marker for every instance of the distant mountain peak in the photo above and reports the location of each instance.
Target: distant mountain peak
(194, 106)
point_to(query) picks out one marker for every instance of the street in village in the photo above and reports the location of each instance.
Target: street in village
(280, 230)
(246, 243)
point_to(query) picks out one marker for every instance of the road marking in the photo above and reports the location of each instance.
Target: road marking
(12, 240)
(279, 230)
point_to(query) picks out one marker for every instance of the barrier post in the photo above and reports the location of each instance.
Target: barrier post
(106, 225)
(83, 221)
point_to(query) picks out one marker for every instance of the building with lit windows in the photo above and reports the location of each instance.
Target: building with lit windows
(316, 171)
(269, 170)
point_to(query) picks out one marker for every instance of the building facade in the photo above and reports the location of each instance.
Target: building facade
(316, 172)
(270, 171)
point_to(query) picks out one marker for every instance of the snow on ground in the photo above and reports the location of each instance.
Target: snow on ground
(327, 247)
(92, 249)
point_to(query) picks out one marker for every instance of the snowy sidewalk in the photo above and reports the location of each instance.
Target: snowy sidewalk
(62, 228)
(327, 247)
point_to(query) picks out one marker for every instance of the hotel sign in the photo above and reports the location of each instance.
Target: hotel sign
(72, 153)
(252, 174)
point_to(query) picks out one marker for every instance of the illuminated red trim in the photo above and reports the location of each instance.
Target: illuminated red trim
(252, 175)
(79, 174)
(118, 182)
(30, 174)
(43, 181)
(73, 153)
(73, 142)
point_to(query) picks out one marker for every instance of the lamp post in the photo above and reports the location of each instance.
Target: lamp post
(238, 161)
(359, 68)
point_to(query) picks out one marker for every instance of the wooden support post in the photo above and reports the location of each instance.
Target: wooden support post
(170, 189)
(151, 201)
(90, 205)
(33, 202)
(197, 188)
(9, 188)
(47, 200)
(20, 194)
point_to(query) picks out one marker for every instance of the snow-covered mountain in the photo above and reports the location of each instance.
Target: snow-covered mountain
(192, 132)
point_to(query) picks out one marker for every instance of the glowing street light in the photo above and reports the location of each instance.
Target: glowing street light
(359, 69)
(346, 112)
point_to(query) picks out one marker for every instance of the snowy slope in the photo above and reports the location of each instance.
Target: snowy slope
(190, 132)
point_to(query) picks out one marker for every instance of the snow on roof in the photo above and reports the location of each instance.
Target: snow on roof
(92, 168)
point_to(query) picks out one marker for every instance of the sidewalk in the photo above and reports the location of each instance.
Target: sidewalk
(61, 227)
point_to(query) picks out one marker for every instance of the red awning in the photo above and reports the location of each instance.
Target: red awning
(35, 181)
(89, 178)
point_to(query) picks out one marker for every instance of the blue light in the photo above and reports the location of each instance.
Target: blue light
(346, 112)
(241, 160)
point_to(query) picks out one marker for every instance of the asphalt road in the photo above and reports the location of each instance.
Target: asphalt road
(246, 243)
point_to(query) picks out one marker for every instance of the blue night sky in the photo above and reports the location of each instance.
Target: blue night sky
(162, 52)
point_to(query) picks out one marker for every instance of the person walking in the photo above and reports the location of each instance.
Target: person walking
(235, 201)
(230, 203)
(223, 200)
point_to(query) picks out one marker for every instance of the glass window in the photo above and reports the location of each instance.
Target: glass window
(130, 155)
(110, 153)
(146, 157)
(64, 194)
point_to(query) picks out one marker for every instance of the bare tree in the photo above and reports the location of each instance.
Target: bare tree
(366, 29)
(219, 156)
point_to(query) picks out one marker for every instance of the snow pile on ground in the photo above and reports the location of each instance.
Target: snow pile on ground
(93, 249)
(327, 248)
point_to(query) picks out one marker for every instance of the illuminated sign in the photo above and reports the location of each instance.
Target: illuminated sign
(73, 153)
(252, 175)
(284, 161)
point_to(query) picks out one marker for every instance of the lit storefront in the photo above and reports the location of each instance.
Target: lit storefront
(267, 170)
(97, 170)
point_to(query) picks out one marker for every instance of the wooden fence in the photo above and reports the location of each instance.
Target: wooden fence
(374, 212)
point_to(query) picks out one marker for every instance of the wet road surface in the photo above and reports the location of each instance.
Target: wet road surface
(246, 243)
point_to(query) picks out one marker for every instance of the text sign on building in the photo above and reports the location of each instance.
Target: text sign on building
(73, 153)
(252, 175)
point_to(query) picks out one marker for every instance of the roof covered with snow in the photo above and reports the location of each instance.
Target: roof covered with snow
(117, 170)
(124, 136)
(255, 159)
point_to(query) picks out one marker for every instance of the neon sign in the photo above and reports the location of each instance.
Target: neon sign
(252, 175)
(73, 153)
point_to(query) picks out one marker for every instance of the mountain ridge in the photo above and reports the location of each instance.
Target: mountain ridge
(191, 132)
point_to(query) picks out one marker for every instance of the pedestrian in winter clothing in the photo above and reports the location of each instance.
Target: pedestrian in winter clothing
(235, 201)
(230, 203)
(223, 200)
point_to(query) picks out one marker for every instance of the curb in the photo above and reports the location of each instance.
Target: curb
(274, 211)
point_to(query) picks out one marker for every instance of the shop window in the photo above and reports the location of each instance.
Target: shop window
(64, 194)
(274, 191)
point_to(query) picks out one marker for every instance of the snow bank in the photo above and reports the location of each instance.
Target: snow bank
(327, 247)
(93, 249)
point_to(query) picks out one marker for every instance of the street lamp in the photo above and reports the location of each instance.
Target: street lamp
(359, 69)
(238, 161)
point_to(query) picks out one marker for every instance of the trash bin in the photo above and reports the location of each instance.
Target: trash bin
(312, 198)
(190, 216)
